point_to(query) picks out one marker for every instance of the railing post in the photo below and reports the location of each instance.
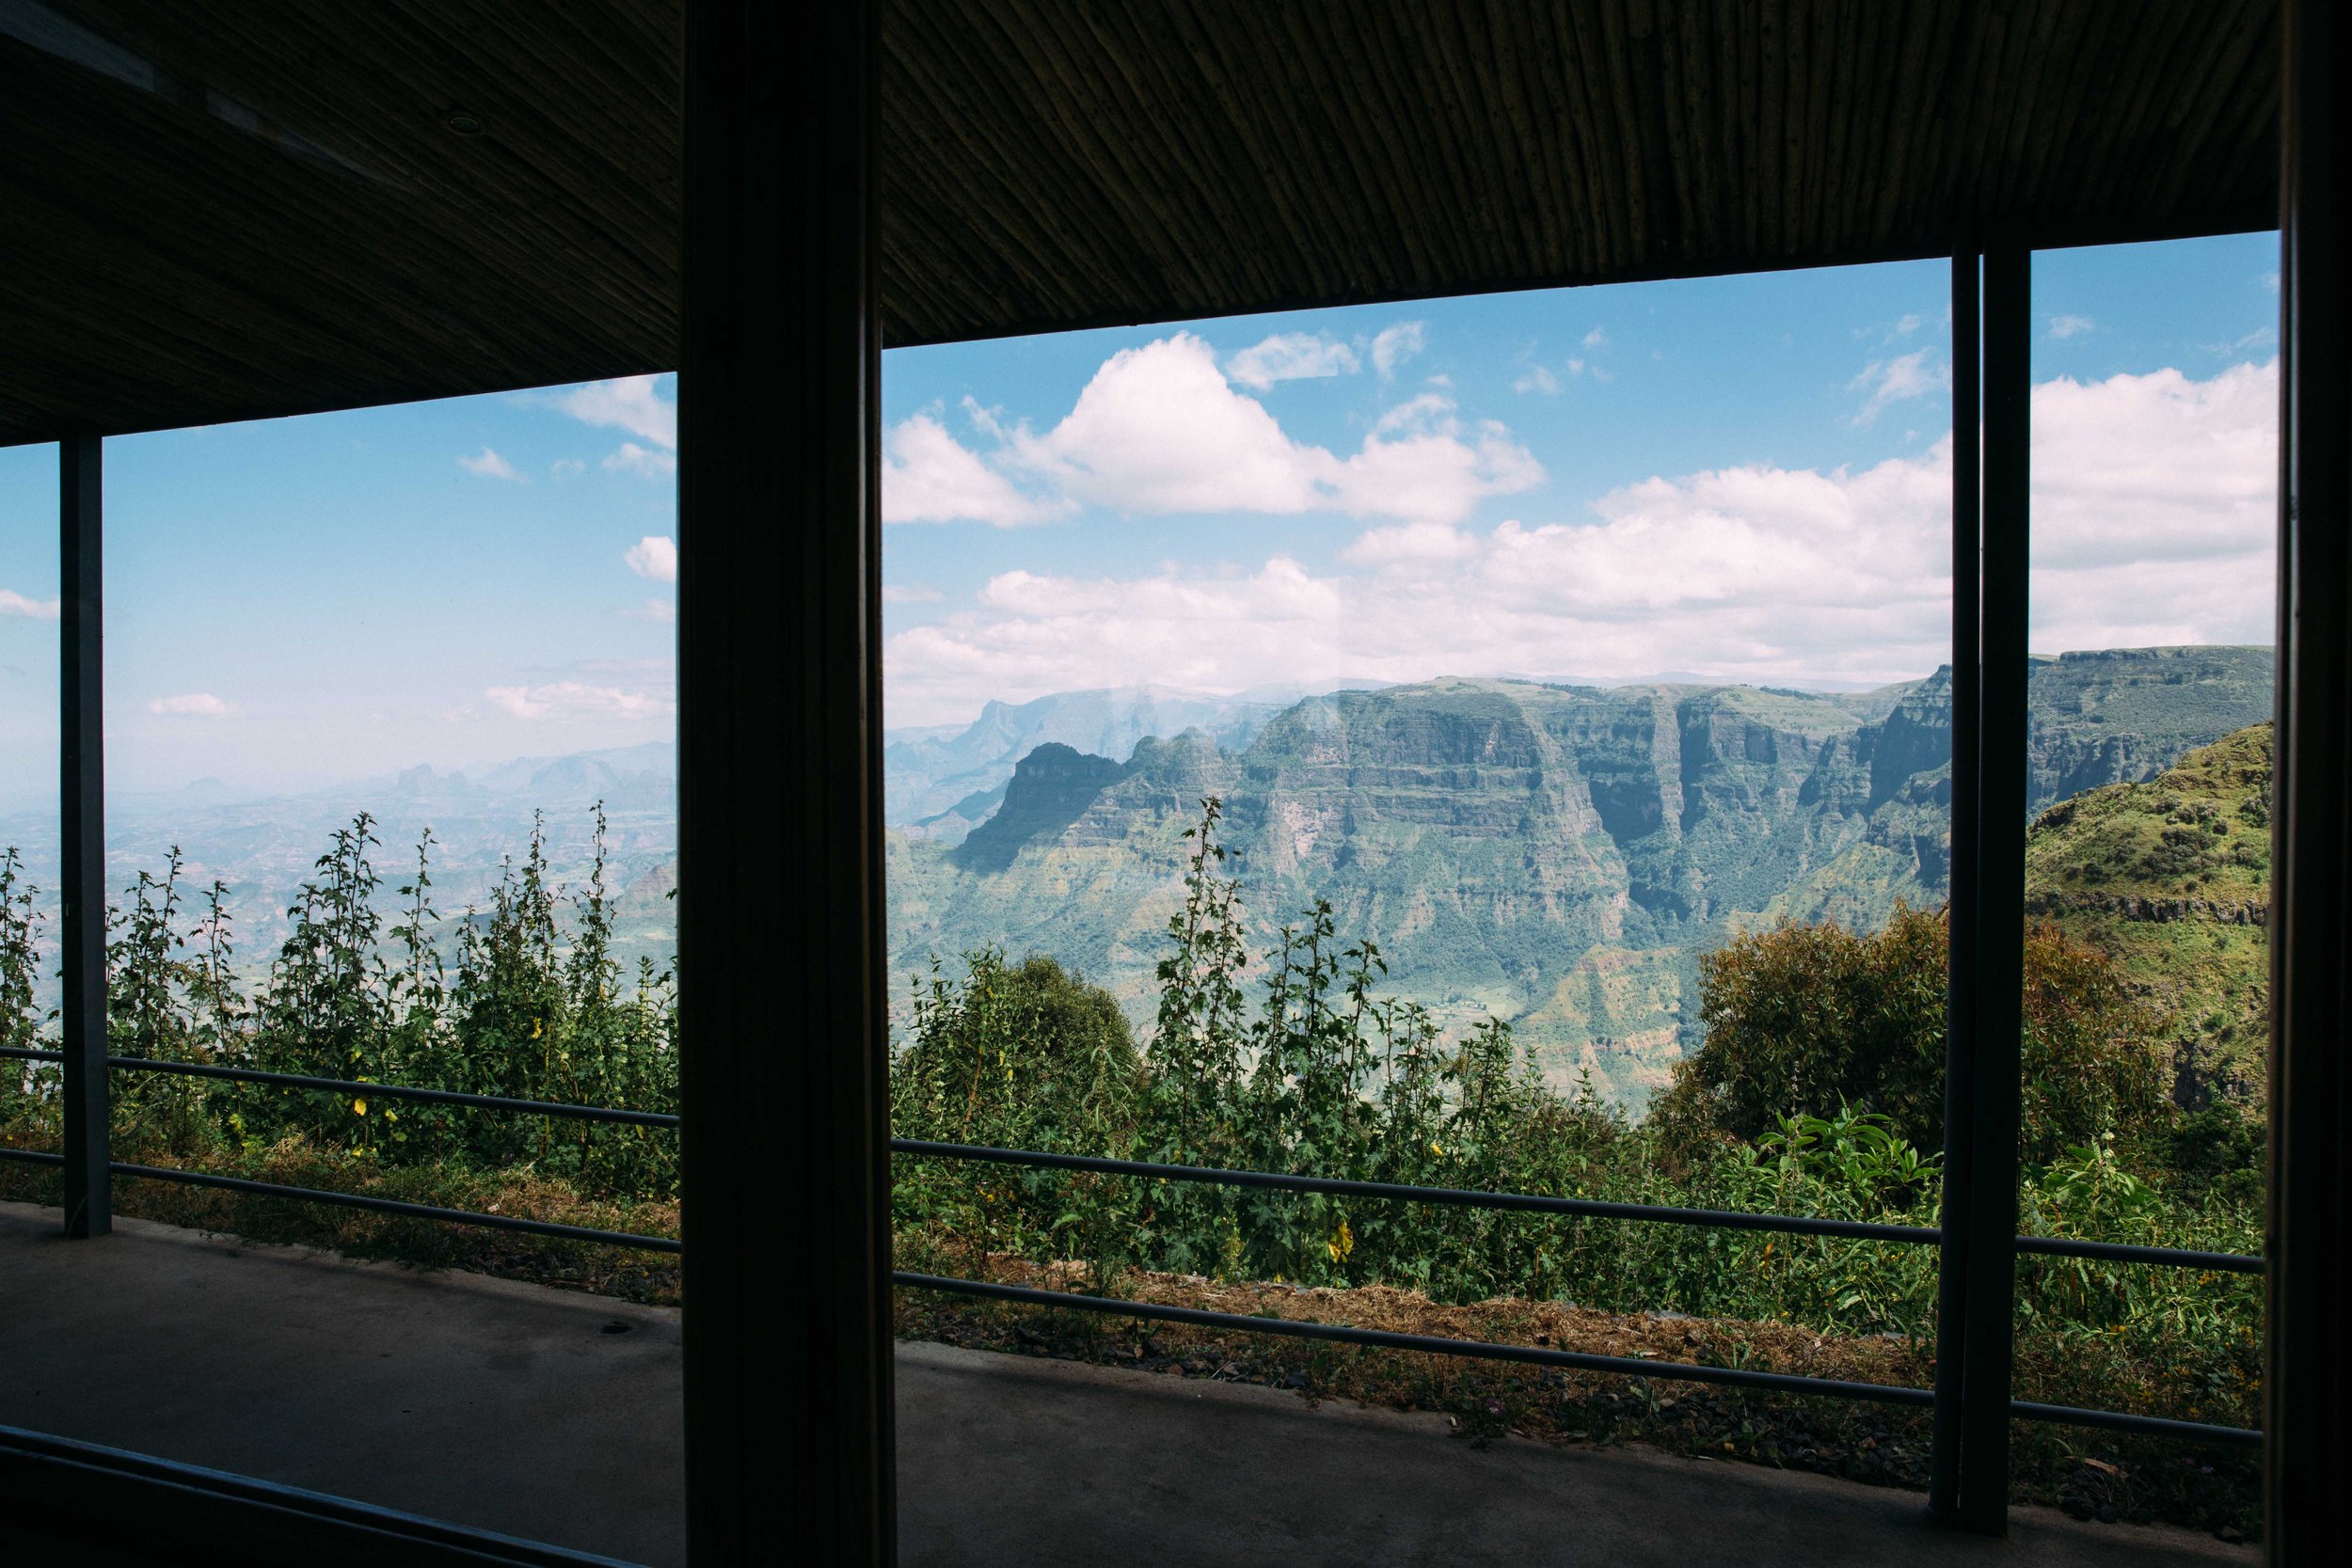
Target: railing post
(82, 792)
(1999, 915)
(1960, 1007)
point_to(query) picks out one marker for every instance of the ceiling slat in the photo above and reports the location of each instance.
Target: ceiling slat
(277, 214)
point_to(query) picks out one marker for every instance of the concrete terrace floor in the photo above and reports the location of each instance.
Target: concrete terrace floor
(555, 1415)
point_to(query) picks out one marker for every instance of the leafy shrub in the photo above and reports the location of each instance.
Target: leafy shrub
(1807, 1020)
(33, 1086)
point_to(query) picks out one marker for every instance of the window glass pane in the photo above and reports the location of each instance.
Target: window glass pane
(1569, 674)
(391, 802)
(28, 811)
(2148, 861)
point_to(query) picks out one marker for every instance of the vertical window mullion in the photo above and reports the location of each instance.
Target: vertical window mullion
(1951, 1320)
(82, 824)
(1999, 905)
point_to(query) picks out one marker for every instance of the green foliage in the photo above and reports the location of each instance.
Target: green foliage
(1804, 1020)
(2215, 1150)
(33, 1086)
(1807, 1020)
(1016, 1057)
(537, 1010)
(2171, 878)
(1818, 1091)
(1192, 1095)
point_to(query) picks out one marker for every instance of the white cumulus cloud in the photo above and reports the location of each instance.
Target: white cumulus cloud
(630, 458)
(1899, 380)
(931, 477)
(632, 403)
(489, 465)
(2153, 511)
(655, 556)
(200, 704)
(1291, 356)
(560, 700)
(1395, 344)
(1159, 428)
(14, 603)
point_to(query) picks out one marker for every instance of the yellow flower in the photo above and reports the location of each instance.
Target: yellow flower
(359, 1107)
(534, 1028)
(391, 1115)
(1342, 1242)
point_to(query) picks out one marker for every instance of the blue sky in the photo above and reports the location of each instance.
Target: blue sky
(1737, 478)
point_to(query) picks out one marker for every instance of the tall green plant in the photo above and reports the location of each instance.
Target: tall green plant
(326, 1009)
(146, 982)
(28, 1089)
(1191, 1110)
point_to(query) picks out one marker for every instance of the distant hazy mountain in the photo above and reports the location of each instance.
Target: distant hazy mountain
(929, 774)
(263, 847)
(1558, 855)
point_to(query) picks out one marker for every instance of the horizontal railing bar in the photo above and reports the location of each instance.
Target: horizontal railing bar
(396, 1206)
(1673, 1370)
(1728, 1219)
(2048, 1246)
(362, 1090)
(1488, 1350)
(30, 1054)
(2151, 1426)
(1677, 1371)
(2124, 1252)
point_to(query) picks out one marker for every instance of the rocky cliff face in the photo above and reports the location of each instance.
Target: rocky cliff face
(1556, 855)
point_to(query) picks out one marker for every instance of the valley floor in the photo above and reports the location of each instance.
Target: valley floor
(554, 1414)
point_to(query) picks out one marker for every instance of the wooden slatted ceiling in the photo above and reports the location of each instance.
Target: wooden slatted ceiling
(258, 208)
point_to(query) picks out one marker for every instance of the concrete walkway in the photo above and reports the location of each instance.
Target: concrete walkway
(554, 1415)
(482, 1401)
(1003, 1460)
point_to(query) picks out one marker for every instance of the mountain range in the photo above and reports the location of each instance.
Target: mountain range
(263, 847)
(1558, 855)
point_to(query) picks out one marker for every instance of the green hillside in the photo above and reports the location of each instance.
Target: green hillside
(1558, 856)
(2171, 877)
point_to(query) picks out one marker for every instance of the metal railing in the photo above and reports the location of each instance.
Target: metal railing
(1576, 1208)
(361, 1088)
(1788, 1383)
